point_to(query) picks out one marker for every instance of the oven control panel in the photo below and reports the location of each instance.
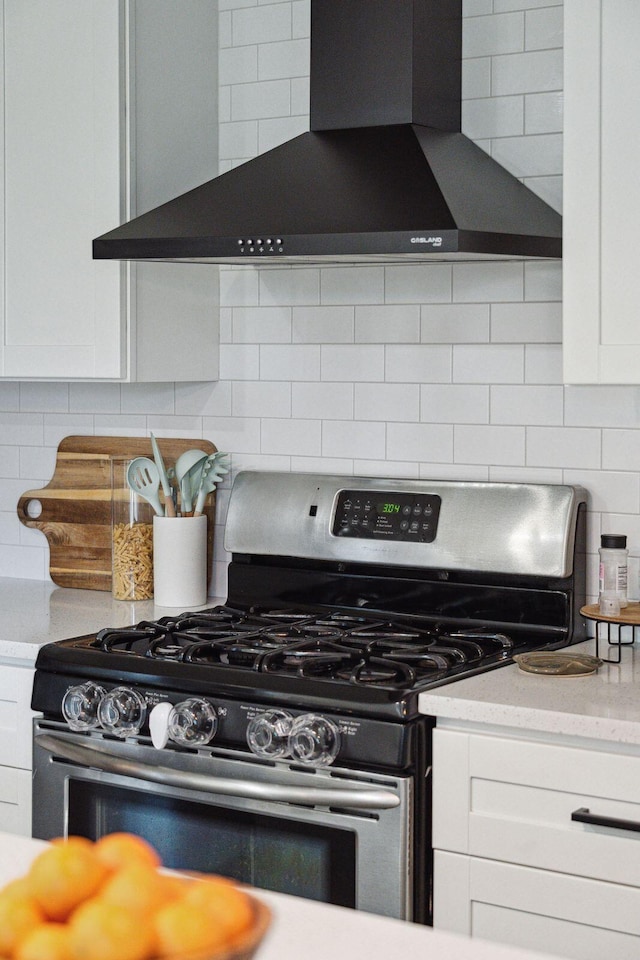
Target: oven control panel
(381, 515)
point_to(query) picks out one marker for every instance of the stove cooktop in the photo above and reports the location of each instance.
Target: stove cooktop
(366, 663)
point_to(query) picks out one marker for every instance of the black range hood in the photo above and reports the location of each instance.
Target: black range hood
(383, 174)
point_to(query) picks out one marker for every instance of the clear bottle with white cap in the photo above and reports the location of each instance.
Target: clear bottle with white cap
(612, 587)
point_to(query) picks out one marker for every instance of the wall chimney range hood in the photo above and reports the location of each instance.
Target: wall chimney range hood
(384, 173)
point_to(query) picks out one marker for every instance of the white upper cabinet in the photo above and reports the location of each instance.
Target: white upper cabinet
(109, 109)
(601, 268)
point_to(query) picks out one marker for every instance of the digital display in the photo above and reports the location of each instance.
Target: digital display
(387, 515)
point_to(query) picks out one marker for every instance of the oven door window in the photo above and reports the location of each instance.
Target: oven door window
(312, 861)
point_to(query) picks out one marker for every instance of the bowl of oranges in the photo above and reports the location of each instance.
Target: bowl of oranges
(111, 900)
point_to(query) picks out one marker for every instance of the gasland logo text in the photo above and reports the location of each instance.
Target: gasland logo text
(434, 241)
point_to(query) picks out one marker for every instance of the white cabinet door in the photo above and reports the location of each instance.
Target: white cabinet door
(601, 335)
(95, 130)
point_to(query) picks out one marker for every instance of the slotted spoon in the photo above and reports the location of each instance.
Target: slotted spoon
(143, 478)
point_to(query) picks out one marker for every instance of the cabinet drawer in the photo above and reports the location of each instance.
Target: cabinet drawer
(512, 800)
(15, 716)
(536, 909)
(15, 801)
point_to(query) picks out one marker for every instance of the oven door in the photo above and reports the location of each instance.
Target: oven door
(333, 835)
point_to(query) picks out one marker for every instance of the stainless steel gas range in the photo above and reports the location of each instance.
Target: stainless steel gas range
(276, 738)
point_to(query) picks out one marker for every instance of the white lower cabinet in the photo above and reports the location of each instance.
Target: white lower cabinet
(15, 749)
(510, 863)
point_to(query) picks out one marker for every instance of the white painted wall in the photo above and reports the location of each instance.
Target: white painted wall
(447, 371)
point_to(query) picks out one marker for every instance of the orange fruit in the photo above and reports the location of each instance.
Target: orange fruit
(140, 887)
(117, 850)
(226, 906)
(108, 931)
(19, 914)
(181, 927)
(64, 875)
(48, 941)
(18, 886)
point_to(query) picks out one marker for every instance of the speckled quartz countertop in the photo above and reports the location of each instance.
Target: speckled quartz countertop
(35, 612)
(602, 706)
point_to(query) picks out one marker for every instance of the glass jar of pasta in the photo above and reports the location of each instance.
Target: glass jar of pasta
(131, 538)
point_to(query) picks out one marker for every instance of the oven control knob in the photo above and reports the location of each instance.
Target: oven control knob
(314, 740)
(268, 734)
(193, 722)
(122, 712)
(80, 705)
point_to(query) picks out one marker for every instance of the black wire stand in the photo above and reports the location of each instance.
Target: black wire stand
(617, 632)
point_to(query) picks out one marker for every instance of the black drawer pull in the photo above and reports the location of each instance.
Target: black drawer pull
(583, 816)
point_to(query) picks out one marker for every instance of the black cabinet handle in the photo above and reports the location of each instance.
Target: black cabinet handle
(583, 816)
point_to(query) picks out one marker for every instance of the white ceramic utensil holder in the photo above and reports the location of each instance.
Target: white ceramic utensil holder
(180, 561)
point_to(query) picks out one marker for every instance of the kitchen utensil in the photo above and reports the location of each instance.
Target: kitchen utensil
(75, 506)
(180, 561)
(144, 479)
(169, 505)
(214, 469)
(188, 470)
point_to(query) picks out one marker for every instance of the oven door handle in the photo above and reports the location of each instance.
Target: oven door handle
(101, 758)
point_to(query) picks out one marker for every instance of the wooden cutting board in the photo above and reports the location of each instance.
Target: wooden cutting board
(76, 505)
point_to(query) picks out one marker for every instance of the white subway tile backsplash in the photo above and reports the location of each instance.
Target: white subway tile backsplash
(608, 489)
(387, 401)
(377, 323)
(352, 363)
(239, 361)
(500, 117)
(533, 72)
(432, 370)
(454, 323)
(273, 132)
(263, 24)
(543, 28)
(238, 139)
(251, 399)
(322, 401)
(567, 447)
(323, 324)
(251, 101)
(419, 283)
(535, 156)
(420, 363)
(454, 403)
(289, 362)
(488, 363)
(352, 284)
(489, 444)
(353, 439)
(289, 58)
(543, 112)
(237, 435)
(488, 36)
(299, 437)
(289, 287)
(261, 324)
(420, 442)
(543, 363)
(526, 322)
(477, 282)
(527, 404)
(602, 406)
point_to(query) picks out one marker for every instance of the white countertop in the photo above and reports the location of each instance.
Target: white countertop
(35, 612)
(313, 931)
(602, 706)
